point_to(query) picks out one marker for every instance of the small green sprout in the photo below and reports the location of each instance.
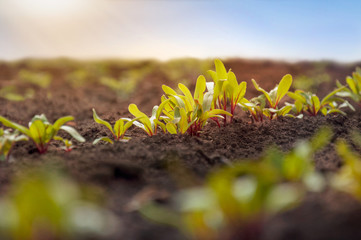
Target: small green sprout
(68, 145)
(275, 95)
(257, 106)
(353, 90)
(148, 124)
(7, 141)
(40, 79)
(306, 102)
(187, 113)
(118, 131)
(42, 132)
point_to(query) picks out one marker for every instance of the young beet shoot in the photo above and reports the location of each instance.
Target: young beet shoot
(148, 124)
(353, 89)
(118, 131)
(267, 104)
(187, 113)
(307, 102)
(42, 132)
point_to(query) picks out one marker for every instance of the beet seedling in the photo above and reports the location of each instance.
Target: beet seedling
(68, 145)
(118, 131)
(275, 95)
(148, 124)
(7, 141)
(306, 102)
(353, 90)
(187, 113)
(257, 106)
(42, 132)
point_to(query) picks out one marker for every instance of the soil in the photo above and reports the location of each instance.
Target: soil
(162, 164)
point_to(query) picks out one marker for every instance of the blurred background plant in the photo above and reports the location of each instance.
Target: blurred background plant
(43, 204)
(311, 81)
(235, 201)
(184, 70)
(37, 79)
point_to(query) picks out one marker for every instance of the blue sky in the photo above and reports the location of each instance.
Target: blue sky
(274, 29)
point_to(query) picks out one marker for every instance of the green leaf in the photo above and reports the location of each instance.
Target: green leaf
(283, 87)
(61, 121)
(181, 103)
(326, 99)
(73, 133)
(119, 128)
(40, 117)
(37, 130)
(187, 94)
(220, 70)
(336, 111)
(258, 88)
(232, 79)
(161, 107)
(219, 112)
(171, 128)
(133, 109)
(168, 91)
(351, 84)
(8, 123)
(296, 97)
(284, 110)
(200, 88)
(240, 91)
(217, 92)
(183, 123)
(160, 124)
(213, 75)
(106, 139)
(315, 101)
(97, 119)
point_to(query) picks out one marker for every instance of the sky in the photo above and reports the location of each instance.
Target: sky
(165, 29)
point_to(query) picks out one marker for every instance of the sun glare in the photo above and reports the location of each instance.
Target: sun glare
(49, 8)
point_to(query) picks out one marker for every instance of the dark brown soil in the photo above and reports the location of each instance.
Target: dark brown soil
(164, 163)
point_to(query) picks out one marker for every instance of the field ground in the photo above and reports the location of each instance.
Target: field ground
(164, 163)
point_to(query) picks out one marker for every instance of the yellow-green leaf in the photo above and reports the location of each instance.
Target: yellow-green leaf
(168, 91)
(315, 101)
(220, 70)
(6, 122)
(232, 79)
(200, 88)
(97, 119)
(73, 133)
(258, 88)
(187, 94)
(283, 87)
(61, 121)
(133, 109)
(119, 128)
(106, 139)
(37, 130)
(171, 128)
